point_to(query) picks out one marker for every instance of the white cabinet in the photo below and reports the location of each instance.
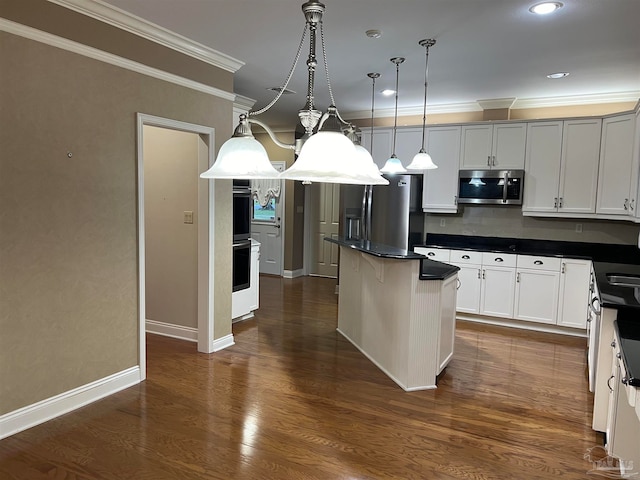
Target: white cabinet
(497, 146)
(575, 276)
(498, 284)
(470, 279)
(562, 167)
(440, 188)
(537, 285)
(408, 143)
(434, 253)
(618, 173)
(382, 140)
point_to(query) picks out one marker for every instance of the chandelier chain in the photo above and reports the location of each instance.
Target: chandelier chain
(286, 82)
(326, 72)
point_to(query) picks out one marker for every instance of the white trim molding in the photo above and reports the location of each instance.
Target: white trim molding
(90, 52)
(223, 342)
(171, 330)
(150, 31)
(293, 273)
(572, 100)
(40, 412)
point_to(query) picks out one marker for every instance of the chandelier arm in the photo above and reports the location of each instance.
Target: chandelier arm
(272, 135)
(286, 82)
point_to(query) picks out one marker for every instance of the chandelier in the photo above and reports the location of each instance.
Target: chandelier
(325, 153)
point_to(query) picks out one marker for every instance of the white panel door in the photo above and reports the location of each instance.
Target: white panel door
(440, 188)
(542, 166)
(267, 229)
(498, 287)
(574, 293)
(326, 218)
(536, 298)
(475, 149)
(579, 169)
(508, 146)
(470, 277)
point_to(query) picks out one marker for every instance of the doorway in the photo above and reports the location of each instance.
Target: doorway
(322, 204)
(198, 220)
(267, 221)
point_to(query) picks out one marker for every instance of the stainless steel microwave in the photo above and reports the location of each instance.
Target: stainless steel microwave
(495, 187)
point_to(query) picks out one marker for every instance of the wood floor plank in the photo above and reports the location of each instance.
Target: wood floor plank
(292, 399)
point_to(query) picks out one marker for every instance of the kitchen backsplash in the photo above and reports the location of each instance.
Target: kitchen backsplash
(509, 222)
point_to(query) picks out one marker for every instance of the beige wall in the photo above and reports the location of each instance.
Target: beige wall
(68, 234)
(171, 246)
(507, 221)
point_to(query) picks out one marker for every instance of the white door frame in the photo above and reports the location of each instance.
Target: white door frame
(206, 229)
(281, 200)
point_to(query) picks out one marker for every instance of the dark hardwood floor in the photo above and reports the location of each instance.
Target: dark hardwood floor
(294, 400)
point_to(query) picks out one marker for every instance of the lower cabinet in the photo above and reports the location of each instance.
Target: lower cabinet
(546, 290)
(447, 322)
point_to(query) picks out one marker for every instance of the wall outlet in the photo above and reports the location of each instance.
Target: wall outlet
(578, 228)
(443, 222)
(188, 216)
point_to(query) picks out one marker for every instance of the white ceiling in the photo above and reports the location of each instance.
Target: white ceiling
(486, 49)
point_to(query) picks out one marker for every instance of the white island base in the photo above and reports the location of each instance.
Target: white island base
(404, 325)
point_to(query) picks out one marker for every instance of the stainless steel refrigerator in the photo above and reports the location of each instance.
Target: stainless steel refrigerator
(387, 214)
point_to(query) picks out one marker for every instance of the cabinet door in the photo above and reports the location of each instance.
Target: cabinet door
(498, 287)
(441, 185)
(579, 170)
(574, 293)
(536, 298)
(447, 322)
(542, 166)
(616, 162)
(408, 143)
(470, 277)
(381, 148)
(475, 147)
(508, 146)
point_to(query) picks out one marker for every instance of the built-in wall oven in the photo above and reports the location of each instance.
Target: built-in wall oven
(241, 235)
(593, 330)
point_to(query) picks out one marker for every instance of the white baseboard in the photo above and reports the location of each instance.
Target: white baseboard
(40, 412)
(171, 330)
(293, 273)
(224, 342)
(522, 325)
(243, 317)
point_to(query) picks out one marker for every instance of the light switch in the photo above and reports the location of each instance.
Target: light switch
(188, 216)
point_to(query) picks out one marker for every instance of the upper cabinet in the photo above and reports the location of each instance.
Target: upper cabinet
(618, 174)
(382, 139)
(499, 146)
(562, 167)
(441, 185)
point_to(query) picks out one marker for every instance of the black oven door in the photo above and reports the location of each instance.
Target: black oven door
(241, 265)
(241, 214)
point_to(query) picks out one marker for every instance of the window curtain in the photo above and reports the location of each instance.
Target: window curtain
(264, 190)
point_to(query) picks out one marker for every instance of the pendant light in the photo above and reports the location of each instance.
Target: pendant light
(324, 153)
(394, 165)
(422, 160)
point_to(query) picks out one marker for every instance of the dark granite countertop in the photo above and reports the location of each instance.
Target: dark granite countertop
(628, 328)
(429, 269)
(598, 252)
(616, 296)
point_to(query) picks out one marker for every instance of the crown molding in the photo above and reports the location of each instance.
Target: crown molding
(419, 110)
(138, 26)
(243, 103)
(496, 103)
(572, 100)
(90, 52)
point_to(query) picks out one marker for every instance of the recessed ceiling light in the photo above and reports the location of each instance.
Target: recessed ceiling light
(545, 8)
(373, 33)
(388, 92)
(558, 75)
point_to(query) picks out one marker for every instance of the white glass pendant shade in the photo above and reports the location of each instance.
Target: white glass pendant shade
(422, 161)
(330, 157)
(241, 158)
(372, 168)
(393, 165)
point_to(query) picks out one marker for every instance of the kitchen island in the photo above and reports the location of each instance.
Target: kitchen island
(398, 308)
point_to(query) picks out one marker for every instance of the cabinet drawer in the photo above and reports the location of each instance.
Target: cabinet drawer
(499, 259)
(439, 254)
(535, 262)
(466, 256)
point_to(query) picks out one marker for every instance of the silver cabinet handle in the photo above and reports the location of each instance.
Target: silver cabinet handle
(626, 204)
(431, 254)
(613, 344)
(560, 203)
(518, 277)
(466, 257)
(564, 267)
(538, 262)
(625, 380)
(555, 202)
(631, 205)
(493, 161)
(609, 384)
(483, 274)
(455, 200)
(498, 259)
(488, 160)
(459, 283)
(478, 273)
